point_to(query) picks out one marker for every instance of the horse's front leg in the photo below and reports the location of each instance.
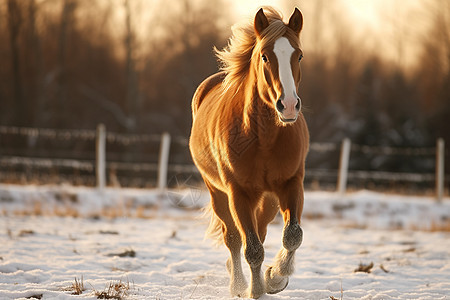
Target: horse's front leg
(232, 239)
(291, 205)
(243, 210)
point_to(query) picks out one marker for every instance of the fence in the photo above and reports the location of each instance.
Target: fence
(89, 154)
(439, 176)
(99, 164)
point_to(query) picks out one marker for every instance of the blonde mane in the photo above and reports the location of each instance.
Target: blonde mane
(235, 58)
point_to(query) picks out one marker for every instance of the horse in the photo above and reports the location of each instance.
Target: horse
(249, 140)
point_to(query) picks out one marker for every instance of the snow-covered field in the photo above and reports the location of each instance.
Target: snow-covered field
(150, 246)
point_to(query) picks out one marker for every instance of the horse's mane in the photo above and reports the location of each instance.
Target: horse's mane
(235, 58)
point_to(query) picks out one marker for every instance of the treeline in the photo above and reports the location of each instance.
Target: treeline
(76, 63)
(354, 91)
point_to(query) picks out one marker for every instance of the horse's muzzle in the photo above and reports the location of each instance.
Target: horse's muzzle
(288, 110)
(284, 120)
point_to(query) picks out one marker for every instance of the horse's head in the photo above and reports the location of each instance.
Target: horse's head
(276, 59)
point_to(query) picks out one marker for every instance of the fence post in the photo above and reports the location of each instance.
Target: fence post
(100, 156)
(163, 161)
(440, 146)
(343, 166)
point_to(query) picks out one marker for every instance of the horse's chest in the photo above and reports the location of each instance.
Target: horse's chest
(279, 167)
(266, 168)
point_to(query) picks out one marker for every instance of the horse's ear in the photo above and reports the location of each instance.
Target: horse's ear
(261, 22)
(296, 21)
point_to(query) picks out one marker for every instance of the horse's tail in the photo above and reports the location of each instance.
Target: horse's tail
(214, 230)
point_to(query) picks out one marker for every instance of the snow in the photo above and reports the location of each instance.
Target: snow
(51, 235)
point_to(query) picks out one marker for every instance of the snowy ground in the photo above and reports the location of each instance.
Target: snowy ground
(153, 245)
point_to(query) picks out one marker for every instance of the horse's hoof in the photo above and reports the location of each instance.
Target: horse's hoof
(276, 291)
(238, 286)
(292, 237)
(255, 294)
(238, 289)
(273, 285)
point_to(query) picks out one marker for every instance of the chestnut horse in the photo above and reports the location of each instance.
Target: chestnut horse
(249, 140)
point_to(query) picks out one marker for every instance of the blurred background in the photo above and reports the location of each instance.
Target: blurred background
(374, 71)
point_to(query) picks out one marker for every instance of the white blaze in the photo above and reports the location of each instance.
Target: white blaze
(283, 51)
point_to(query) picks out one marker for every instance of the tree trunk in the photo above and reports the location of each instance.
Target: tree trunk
(37, 63)
(132, 105)
(61, 101)
(14, 23)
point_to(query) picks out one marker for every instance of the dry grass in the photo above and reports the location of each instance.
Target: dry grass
(353, 225)
(39, 209)
(140, 212)
(115, 212)
(411, 249)
(313, 216)
(37, 296)
(77, 288)
(434, 227)
(125, 253)
(25, 232)
(114, 290)
(68, 209)
(383, 268)
(440, 227)
(364, 268)
(130, 209)
(443, 227)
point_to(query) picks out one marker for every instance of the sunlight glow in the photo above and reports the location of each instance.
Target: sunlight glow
(381, 24)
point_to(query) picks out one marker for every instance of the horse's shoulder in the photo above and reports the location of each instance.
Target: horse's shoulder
(204, 88)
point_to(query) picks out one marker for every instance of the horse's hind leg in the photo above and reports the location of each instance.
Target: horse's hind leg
(291, 204)
(232, 240)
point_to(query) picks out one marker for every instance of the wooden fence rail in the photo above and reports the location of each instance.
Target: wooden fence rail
(101, 136)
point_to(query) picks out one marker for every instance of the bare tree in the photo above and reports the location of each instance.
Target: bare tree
(131, 74)
(434, 62)
(15, 21)
(180, 59)
(37, 65)
(67, 14)
(434, 68)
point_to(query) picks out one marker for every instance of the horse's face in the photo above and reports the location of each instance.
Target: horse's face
(277, 65)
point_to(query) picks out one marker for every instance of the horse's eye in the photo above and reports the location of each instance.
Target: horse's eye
(264, 58)
(300, 58)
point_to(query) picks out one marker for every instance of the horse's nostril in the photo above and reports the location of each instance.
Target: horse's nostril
(297, 106)
(280, 106)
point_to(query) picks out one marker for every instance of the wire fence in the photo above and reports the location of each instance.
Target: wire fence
(40, 155)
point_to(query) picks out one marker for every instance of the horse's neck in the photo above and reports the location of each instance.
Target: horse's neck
(268, 130)
(261, 119)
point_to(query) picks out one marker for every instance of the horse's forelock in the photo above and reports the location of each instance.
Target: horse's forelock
(274, 31)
